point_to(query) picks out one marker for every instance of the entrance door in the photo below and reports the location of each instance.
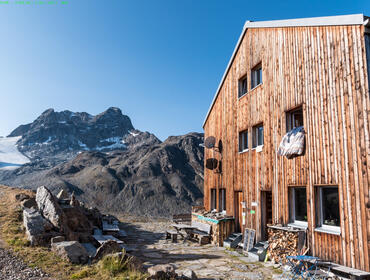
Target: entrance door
(266, 212)
(238, 198)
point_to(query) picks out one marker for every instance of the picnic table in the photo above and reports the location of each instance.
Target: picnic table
(184, 230)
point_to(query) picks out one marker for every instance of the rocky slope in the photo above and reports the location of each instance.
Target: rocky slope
(109, 164)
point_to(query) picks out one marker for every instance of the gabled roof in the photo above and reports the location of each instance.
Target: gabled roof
(354, 19)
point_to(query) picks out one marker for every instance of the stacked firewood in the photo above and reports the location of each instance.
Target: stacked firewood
(282, 243)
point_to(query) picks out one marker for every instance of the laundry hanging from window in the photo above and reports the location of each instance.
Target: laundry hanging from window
(292, 144)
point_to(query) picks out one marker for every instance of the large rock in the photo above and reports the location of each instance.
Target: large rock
(21, 196)
(76, 220)
(62, 195)
(107, 248)
(29, 203)
(50, 208)
(57, 239)
(162, 272)
(94, 216)
(188, 274)
(71, 251)
(37, 227)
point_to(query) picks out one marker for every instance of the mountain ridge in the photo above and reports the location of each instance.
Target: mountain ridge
(110, 164)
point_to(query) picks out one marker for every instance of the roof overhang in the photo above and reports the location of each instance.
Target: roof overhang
(355, 19)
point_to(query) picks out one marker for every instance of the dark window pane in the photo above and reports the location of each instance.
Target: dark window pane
(222, 199)
(213, 199)
(300, 204)
(294, 119)
(243, 141)
(260, 135)
(330, 207)
(242, 87)
(256, 76)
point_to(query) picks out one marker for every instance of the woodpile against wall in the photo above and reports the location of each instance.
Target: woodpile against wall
(285, 242)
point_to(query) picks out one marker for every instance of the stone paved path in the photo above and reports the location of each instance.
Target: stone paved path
(149, 244)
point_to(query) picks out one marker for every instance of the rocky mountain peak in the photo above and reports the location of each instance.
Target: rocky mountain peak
(63, 134)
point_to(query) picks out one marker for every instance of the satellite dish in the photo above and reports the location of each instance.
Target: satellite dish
(211, 163)
(210, 142)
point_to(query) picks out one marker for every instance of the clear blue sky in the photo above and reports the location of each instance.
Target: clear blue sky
(159, 61)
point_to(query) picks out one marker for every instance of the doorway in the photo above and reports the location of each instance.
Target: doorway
(238, 198)
(266, 212)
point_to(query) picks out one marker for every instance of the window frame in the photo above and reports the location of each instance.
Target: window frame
(242, 141)
(290, 118)
(241, 80)
(320, 226)
(256, 75)
(255, 135)
(292, 214)
(213, 198)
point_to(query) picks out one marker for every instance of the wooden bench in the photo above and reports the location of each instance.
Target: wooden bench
(171, 234)
(181, 218)
(202, 232)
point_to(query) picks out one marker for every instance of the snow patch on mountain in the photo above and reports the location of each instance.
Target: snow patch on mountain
(116, 143)
(10, 156)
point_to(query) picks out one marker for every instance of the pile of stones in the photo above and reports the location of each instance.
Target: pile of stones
(64, 224)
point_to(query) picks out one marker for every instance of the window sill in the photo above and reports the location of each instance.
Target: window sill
(244, 151)
(240, 97)
(258, 148)
(257, 86)
(331, 230)
(301, 225)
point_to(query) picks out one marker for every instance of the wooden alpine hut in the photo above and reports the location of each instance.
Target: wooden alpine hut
(292, 116)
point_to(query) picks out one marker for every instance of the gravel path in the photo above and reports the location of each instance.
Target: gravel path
(12, 268)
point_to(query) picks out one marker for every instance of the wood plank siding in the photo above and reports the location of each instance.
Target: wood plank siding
(325, 70)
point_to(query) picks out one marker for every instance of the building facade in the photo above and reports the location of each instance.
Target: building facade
(313, 73)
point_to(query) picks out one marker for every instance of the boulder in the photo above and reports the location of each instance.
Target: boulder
(189, 275)
(37, 227)
(76, 220)
(71, 251)
(162, 271)
(107, 248)
(63, 195)
(21, 196)
(94, 216)
(74, 202)
(50, 208)
(57, 239)
(29, 203)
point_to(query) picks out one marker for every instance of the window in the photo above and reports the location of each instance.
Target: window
(328, 208)
(257, 135)
(243, 86)
(294, 119)
(213, 199)
(222, 199)
(256, 76)
(298, 205)
(243, 141)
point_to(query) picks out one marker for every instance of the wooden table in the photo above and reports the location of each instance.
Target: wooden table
(188, 229)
